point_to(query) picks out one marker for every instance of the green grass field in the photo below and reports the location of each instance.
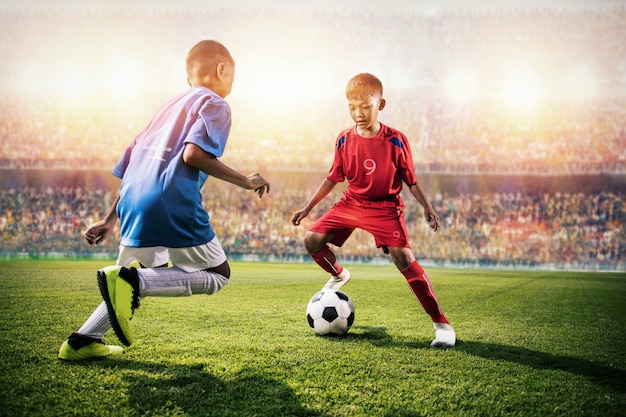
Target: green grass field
(529, 344)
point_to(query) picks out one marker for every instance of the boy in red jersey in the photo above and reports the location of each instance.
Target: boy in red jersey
(376, 160)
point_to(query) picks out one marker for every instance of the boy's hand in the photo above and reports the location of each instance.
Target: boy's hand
(433, 220)
(97, 232)
(299, 215)
(259, 184)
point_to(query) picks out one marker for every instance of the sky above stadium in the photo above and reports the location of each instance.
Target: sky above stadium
(71, 64)
(377, 5)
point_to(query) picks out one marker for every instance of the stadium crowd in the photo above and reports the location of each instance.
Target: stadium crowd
(512, 229)
(569, 139)
(563, 133)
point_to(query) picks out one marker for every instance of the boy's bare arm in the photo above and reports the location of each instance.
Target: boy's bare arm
(429, 213)
(196, 157)
(322, 191)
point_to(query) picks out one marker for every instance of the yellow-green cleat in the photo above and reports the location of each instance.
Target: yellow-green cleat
(78, 347)
(119, 287)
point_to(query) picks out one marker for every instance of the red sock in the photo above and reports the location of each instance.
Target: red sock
(327, 260)
(423, 290)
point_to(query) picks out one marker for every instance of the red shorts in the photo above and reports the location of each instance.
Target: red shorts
(384, 220)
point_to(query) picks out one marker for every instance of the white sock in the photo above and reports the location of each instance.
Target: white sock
(174, 282)
(97, 324)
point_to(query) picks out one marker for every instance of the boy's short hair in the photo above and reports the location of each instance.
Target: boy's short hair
(204, 55)
(364, 85)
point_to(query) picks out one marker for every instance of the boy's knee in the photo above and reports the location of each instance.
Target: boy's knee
(223, 269)
(314, 242)
(401, 257)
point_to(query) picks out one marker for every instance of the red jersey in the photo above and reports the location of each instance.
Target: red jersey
(374, 167)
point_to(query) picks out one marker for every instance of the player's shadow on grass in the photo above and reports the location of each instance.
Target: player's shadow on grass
(375, 335)
(173, 389)
(599, 374)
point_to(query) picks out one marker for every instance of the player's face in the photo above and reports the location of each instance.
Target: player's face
(364, 112)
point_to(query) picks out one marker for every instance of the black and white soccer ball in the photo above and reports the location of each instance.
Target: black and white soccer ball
(330, 313)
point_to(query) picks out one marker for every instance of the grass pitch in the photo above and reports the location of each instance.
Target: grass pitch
(529, 344)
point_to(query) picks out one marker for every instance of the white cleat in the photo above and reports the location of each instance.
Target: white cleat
(336, 282)
(445, 337)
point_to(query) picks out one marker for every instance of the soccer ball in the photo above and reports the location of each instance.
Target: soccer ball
(330, 313)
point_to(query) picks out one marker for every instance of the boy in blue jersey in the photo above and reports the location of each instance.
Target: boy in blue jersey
(159, 205)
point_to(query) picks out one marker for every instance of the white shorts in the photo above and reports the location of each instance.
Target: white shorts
(190, 259)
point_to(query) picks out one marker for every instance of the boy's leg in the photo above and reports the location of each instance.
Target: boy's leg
(114, 282)
(122, 289)
(190, 274)
(390, 233)
(333, 227)
(174, 282)
(327, 260)
(317, 246)
(421, 286)
(98, 324)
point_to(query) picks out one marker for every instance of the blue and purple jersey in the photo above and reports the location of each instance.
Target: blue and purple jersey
(160, 195)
